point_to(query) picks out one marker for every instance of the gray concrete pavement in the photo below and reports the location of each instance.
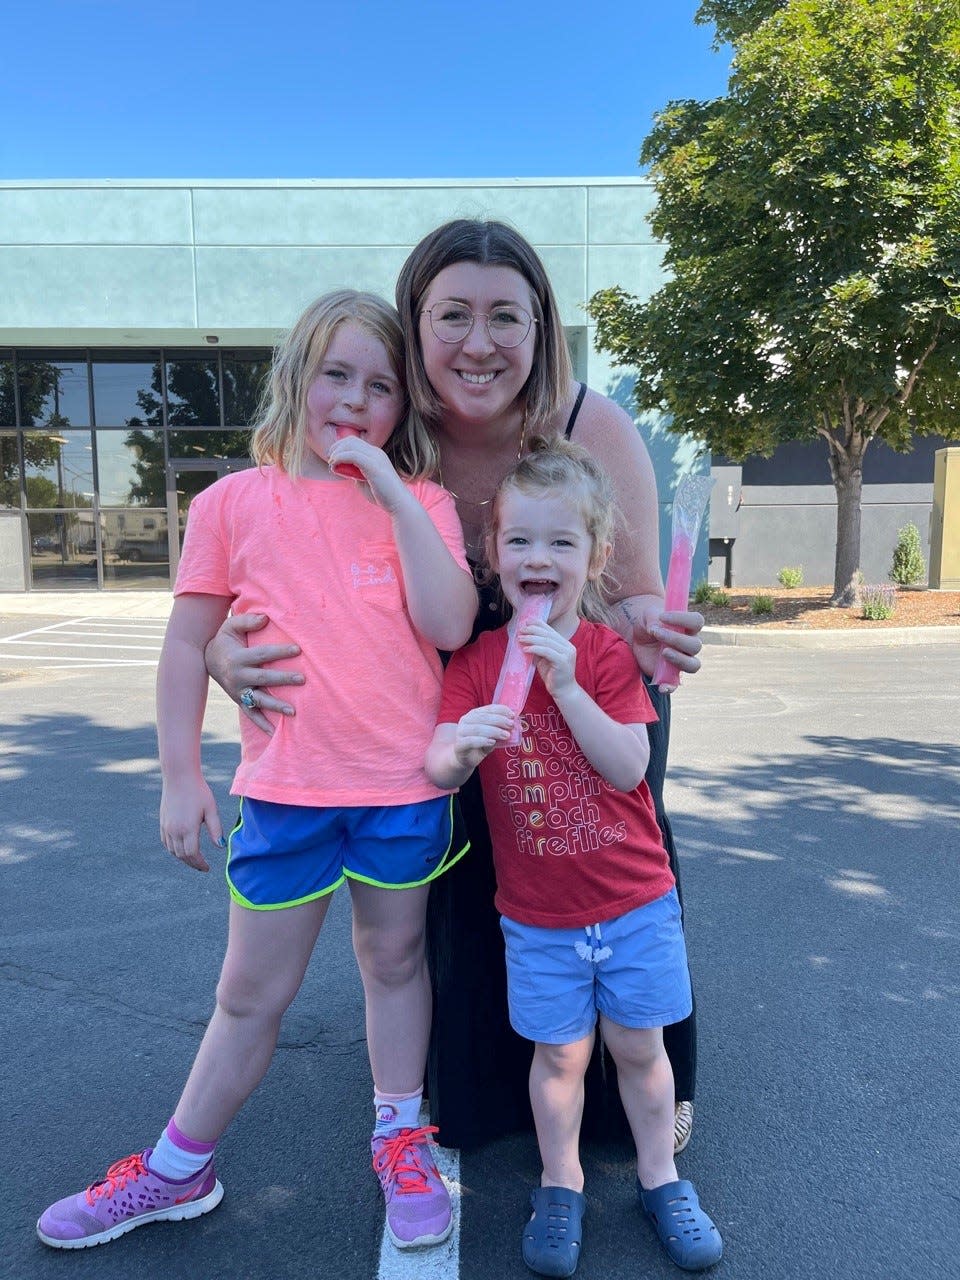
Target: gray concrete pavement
(157, 604)
(816, 802)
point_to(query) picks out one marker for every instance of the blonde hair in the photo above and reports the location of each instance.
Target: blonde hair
(488, 244)
(559, 467)
(280, 434)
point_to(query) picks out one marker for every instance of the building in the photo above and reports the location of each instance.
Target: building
(136, 324)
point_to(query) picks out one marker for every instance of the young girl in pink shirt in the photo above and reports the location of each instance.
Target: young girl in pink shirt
(359, 559)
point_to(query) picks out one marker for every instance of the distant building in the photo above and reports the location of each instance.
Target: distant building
(136, 327)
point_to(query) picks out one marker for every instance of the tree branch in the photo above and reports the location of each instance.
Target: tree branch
(904, 395)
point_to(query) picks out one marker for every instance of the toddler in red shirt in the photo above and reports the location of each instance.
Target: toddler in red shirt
(588, 906)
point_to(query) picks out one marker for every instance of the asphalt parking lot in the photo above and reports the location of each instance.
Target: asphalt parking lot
(815, 797)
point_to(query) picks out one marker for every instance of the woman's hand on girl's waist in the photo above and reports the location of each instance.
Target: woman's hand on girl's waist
(237, 667)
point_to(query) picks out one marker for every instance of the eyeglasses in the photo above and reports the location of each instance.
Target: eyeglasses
(507, 325)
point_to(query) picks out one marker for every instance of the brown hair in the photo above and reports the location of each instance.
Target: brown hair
(489, 244)
(279, 436)
(558, 464)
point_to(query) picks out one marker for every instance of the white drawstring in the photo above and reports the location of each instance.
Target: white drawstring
(587, 951)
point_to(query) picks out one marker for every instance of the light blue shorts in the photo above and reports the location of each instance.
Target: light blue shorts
(282, 855)
(632, 969)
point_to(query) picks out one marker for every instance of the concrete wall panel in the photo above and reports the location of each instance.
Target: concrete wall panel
(381, 215)
(618, 215)
(253, 287)
(13, 567)
(636, 268)
(103, 215)
(91, 287)
(804, 533)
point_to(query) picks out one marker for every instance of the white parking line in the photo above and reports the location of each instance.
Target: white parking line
(134, 635)
(72, 633)
(82, 644)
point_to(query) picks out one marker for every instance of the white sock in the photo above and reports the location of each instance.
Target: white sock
(397, 1110)
(174, 1163)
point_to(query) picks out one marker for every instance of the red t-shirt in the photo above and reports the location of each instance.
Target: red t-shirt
(569, 849)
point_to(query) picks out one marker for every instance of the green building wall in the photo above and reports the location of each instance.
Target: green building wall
(190, 264)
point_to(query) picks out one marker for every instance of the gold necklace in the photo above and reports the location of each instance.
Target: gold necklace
(486, 501)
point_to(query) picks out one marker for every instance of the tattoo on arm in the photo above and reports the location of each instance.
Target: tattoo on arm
(630, 612)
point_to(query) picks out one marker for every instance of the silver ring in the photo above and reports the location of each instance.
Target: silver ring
(247, 699)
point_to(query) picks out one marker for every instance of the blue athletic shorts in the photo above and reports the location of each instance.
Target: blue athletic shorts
(281, 855)
(632, 969)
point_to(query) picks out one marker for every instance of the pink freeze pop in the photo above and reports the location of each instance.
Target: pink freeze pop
(348, 469)
(689, 505)
(516, 674)
(676, 596)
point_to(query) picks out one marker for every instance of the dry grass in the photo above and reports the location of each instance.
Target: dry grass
(808, 608)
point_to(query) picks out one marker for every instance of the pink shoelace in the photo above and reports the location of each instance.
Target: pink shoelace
(399, 1159)
(129, 1169)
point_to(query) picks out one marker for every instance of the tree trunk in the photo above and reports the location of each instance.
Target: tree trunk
(846, 467)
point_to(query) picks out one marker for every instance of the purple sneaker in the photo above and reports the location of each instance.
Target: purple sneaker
(129, 1196)
(418, 1206)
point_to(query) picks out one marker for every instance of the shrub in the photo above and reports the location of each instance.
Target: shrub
(761, 604)
(704, 593)
(877, 603)
(791, 576)
(908, 564)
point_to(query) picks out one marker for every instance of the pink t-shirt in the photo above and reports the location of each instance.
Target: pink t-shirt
(320, 560)
(568, 848)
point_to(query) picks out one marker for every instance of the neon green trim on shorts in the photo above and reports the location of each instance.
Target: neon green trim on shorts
(446, 862)
(241, 901)
(237, 897)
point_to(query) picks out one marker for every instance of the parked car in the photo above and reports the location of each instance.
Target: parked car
(137, 551)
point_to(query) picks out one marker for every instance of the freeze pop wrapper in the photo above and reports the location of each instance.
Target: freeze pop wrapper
(516, 674)
(348, 469)
(689, 505)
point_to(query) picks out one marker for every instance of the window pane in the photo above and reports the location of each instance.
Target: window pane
(131, 468)
(209, 444)
(9, 471)
(193, 397)
(8, 417)
(59, 469)
(245, 375)
(136, 551)
(53, 392)
(127, 390)
(62, 550)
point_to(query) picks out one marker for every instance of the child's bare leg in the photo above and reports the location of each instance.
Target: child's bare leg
(646, 1089)
(556, 1095)
(388, 940)
(267, 956)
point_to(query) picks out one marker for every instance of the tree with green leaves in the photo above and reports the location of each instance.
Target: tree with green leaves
(811, 223)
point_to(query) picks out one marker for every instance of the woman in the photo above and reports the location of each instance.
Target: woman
(487, 369)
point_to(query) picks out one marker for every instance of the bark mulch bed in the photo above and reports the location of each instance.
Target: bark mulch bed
(809, 608)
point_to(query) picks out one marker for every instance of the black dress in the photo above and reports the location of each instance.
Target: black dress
(477, 1066)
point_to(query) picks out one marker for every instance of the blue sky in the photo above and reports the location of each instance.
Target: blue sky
(354, 89)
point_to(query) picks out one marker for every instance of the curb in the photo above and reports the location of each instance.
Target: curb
(157, 605)
(841, 638)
